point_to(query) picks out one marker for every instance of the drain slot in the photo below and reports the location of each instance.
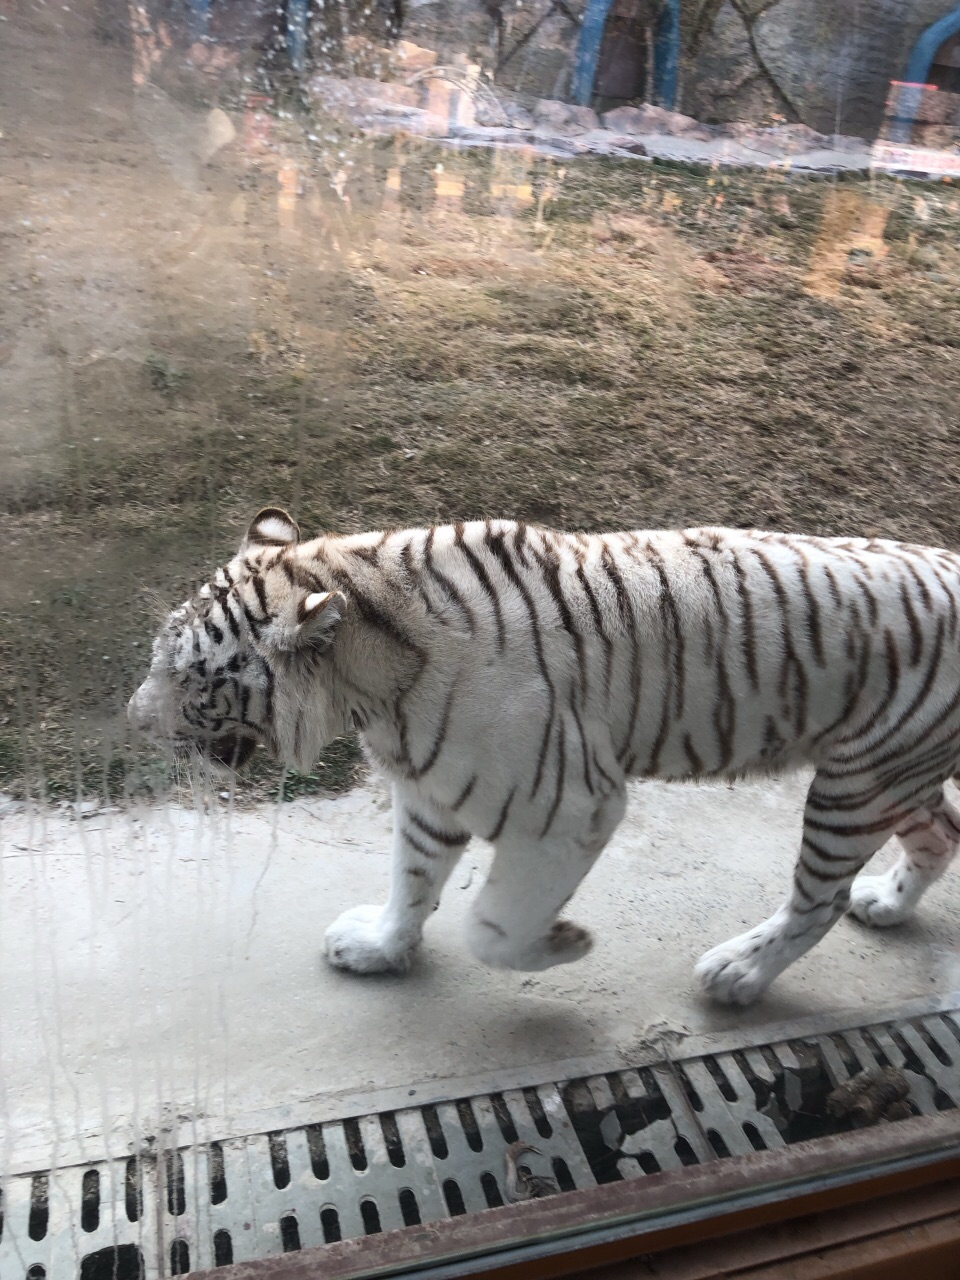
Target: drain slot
(39, 1207)
(90, 1211)
(330, 1222)
(218, 1179)
(391, 1136)
(222, 1248)
(179, 1258)
(289, 1234)
(278, 1160)
(409, 1208)
(124, 1262)
(133, 1190)
(318, 1153)
(176, 1190)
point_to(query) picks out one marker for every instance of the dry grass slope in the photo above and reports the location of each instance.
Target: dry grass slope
(592, 345)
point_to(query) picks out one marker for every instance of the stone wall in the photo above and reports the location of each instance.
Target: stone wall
(826, 63)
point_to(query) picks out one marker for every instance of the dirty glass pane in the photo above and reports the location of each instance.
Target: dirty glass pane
(591, 266)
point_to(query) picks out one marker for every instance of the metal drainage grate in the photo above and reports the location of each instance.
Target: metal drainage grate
(208, 1205)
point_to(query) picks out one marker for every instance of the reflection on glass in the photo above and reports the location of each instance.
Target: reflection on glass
(593, 265)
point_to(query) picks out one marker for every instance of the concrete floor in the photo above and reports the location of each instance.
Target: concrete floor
(165, 964)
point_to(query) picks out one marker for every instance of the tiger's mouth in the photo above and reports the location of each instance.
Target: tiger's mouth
(232, 750)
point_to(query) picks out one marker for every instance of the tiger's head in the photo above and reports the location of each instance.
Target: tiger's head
(242, 661)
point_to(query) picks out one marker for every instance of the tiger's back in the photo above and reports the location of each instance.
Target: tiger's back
(705, 652)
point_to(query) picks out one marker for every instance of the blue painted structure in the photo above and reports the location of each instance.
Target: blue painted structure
(666, 52)
(917, 70)
(296, 24)
(666, 55)
(297, 33)
(199, 18)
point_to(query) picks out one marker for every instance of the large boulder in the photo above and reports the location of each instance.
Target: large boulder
(723, 82)
(833, 60)
(563, 116)
(825, 63)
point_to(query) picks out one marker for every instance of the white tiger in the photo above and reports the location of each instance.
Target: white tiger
(509, 679)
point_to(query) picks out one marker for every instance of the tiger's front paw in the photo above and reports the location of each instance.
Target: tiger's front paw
(733, 973)
(359, 942)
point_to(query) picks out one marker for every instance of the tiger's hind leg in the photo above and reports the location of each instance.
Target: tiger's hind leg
(839, 837)
(513, 923)
(930, 837)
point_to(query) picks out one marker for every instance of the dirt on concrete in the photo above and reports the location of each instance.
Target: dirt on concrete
(215, 299)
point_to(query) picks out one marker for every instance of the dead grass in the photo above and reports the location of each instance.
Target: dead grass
(610, 345)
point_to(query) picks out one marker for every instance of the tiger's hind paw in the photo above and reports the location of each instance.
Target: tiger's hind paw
(875, 900)
(563, 943)
(568, 942)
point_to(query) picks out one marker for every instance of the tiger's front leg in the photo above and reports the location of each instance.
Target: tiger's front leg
(426, 846)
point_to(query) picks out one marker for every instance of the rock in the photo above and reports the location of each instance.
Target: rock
(868, 276)
(611, 1131)
(490, 114)
(845, 143)
(221, 131)
(623, 120)
(564, 116)
(781, 140)
(654, 120)
(359, 98)
(800, 136)
(827, 54)
(766, 61)
(725, 83)
(410, 57)
(492, 135)
(518, 117)
(632, 147)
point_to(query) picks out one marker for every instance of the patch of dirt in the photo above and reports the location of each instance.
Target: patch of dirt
(375, 332)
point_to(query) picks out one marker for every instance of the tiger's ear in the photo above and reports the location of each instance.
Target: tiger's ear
(312, 625)
(272, 527)
(318, 616)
